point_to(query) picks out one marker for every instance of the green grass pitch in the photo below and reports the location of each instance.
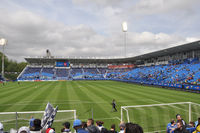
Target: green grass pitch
(85, 96)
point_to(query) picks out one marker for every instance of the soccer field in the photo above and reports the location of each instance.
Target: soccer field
(85, 96)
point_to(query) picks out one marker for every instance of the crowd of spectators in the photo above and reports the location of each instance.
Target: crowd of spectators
(181, 73)
(78, 126)
(180, 126)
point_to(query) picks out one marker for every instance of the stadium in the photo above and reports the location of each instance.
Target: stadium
(66, 66)
(176, 67)
(88, 86)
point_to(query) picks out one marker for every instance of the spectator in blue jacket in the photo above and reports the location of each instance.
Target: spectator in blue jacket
(31, 124)
(172, 126)
(77, 125)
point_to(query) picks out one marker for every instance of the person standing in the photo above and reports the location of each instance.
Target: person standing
(179, 118)
(1, 127)
(197, 127)
(36, 126)
(91, 128)
(122, 127)
(133, 128)
(31, 122)
(66, 128)
(114, 105)
(171, 127)
(100, 126)
(180, 128)
(112, 129)
(77, 125)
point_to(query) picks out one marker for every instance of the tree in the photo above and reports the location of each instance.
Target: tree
(12, 68)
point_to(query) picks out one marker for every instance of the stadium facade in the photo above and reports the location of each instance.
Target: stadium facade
(174, 67)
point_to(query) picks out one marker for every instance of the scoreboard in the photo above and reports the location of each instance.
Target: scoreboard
(62, 64)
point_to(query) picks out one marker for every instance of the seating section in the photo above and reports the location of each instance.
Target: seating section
(32, 70)
(62, 72)
(176, 74)
(48, 70)
(76, 72)
(30, 73)
(179, 74)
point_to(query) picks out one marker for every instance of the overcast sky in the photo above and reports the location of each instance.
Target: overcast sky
(93, 27)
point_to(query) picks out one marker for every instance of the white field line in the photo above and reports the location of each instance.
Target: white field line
(69, 102)
(161, 103)
(87, 102)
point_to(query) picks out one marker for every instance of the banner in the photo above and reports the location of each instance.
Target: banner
(120, 66)
(49, 110)
(51, 119)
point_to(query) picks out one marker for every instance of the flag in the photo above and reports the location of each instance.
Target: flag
(51, 119)
(47, 113)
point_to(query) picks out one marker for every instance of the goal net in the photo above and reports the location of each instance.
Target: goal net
(155, 117)
(17, 119)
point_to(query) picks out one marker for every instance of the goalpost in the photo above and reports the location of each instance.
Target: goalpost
(18, 119)
(155, 117)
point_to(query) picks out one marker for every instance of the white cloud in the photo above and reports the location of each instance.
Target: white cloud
(30, 34)
(99, 3)
(192, 39)
(146, 7)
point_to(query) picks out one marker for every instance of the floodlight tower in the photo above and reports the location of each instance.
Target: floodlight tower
(3, 42)
(124, 29)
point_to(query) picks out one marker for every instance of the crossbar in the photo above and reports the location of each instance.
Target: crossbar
(155, 105)
(36, 112)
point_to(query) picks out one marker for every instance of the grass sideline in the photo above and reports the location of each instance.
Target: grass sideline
(85, 96)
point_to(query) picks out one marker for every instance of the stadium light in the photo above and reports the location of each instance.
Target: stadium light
(3, 42)
(124, 29)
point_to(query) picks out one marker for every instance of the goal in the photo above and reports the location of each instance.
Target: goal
(155, 117)
(18, 119)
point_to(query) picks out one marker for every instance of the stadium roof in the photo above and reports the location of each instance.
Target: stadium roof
(169, 51)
